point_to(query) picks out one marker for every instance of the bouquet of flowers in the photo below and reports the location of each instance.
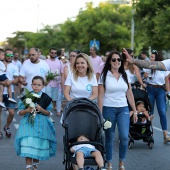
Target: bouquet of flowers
(29, 101)
(107, 124)
(52, 75)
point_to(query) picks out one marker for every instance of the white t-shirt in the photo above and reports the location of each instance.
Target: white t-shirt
(115, 91)
(158, 78)
(77, 147)
(167, 64)
(11, 72)
(2, 68)
(17, 63)
(82, 87)
(132, 77)
(29, 70)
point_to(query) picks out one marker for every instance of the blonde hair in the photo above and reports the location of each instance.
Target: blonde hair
(89, 72)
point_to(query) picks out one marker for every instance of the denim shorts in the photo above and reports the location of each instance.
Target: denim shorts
(86, 151)
(3, 77)
(8, 104)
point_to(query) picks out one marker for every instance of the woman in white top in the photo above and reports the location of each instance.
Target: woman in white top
(114, 90)
(132, 71)
(81, 82)
(158, 84)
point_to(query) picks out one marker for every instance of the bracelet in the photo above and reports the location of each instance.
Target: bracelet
(135, 113)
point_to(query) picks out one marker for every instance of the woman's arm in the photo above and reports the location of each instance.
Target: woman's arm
(94, 93)
(138, 75)
(130, 98)
(67, 92)
(100, 96)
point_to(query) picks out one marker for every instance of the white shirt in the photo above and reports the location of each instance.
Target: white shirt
(158, 78)
(11, 72)
(167, 64)
(77, 147)
(29, 70)
(2, 68)
(17, 63)
(82, 87)
(115, 92)
(132, 77)
(96, 61)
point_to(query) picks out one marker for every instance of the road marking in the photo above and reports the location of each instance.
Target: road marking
(160, 129)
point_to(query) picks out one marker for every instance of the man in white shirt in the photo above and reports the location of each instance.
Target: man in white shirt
(33, 67)
(12, 74)
(16, 61)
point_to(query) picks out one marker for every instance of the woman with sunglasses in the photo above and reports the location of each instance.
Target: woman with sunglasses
(114, 90)
(158, 84)
(132, 70)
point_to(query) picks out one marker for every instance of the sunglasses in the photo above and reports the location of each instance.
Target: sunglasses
(116, 59)
(53, 53)
(9, 55)
(72, 55)
(154, 52)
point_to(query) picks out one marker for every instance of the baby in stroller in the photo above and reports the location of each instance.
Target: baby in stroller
(86, 150)
(141, 110)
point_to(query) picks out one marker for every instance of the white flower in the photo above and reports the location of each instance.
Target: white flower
(28, 101)
(34, 114)
(36, 95)
(107, 124)
(32, 104)
(57, 72)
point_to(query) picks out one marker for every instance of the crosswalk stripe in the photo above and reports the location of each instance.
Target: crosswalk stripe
(16, 126)
(160, 129)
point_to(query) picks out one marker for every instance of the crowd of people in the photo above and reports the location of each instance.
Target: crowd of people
(105, 80)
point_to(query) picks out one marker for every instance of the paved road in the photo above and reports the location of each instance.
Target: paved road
(140, 157)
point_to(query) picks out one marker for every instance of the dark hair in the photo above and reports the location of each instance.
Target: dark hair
(2, 50)
(143, 52)
(76, 51)
(59, 52)
(40, 78)
(8, 49)
(107, 68)
(139, 102)
(53, 49)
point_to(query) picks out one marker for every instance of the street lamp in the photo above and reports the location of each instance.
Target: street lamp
(132, 21)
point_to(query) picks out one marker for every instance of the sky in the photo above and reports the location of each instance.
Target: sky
(31, 15)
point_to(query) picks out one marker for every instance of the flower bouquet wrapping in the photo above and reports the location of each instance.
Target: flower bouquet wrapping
(52, 76)
(107, 124)
(30, 101)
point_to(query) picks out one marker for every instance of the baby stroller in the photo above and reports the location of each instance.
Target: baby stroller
(82, 116)
(141, 130)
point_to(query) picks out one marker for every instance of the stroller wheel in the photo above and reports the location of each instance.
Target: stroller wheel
(131, 143)
(151, 145)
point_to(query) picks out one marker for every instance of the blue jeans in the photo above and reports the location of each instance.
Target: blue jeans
(158, 95)
(121, 117)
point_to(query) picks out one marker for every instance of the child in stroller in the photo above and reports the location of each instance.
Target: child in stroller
(142, 129)
(141, 110)
(86, 150)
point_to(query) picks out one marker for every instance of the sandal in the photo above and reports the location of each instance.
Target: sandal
(121, 168)
(35, 165)
(1, 135)
(109, 167)
(28, 167)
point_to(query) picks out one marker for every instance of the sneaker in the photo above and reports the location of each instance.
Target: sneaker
(166, 139)
(7, 132)
(2, 105)
(52, 120)
(12, 100)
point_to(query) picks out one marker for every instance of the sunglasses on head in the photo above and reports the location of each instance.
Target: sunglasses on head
(9, 55)
(154, 52)
(53, 53)
(116, 59)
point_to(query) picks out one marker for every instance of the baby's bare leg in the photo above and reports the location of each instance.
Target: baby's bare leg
(80, 159)
(98, 157)
(9, 91)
